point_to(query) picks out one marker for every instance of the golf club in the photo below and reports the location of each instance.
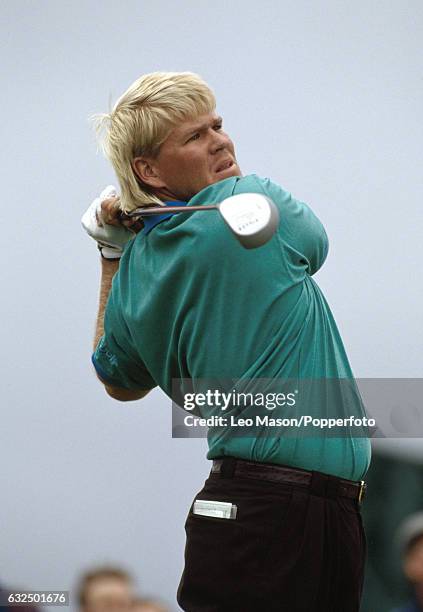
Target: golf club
(252, 217)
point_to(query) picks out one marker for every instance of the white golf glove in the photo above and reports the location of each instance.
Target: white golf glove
(110, 238)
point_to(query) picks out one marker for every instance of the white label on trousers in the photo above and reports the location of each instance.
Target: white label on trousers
(224, 510)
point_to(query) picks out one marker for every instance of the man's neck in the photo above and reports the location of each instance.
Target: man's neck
(167, 196)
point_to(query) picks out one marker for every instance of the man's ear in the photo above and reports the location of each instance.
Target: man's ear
(145, 171)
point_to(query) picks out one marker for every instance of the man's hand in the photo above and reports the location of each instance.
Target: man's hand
(102, 222)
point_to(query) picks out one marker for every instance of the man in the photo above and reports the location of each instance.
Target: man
(106, 589)
(189, 303)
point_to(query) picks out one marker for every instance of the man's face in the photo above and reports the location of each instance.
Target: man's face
(109, 595)
(197, 153)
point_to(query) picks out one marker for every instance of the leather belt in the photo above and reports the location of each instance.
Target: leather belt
(289, 475)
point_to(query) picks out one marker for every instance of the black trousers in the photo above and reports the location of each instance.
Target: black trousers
(289, 549)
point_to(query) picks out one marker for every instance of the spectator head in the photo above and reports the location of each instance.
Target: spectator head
(410, 539)
(107, 589)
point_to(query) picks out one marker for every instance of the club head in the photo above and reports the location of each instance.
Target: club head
(252, 217)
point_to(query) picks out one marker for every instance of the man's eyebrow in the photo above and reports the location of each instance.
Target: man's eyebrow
(201, 126)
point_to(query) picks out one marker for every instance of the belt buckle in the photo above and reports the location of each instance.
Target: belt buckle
(362, 491)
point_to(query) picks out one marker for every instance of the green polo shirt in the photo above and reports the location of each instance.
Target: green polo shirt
(189, 302)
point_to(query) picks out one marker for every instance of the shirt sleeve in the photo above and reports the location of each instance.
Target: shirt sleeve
(115, 360)
(299, 227)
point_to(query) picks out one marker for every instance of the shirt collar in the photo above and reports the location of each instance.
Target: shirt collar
(153, 220)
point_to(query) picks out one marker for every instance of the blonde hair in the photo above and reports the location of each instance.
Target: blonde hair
(142, 119)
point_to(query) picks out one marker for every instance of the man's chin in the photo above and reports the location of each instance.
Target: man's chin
(219, 176)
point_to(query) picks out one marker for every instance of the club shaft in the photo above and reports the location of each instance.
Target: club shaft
(163, 210)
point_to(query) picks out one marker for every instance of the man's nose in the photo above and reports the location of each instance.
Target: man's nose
(219, 141)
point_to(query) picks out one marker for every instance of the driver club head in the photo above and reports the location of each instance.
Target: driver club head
(252, 217)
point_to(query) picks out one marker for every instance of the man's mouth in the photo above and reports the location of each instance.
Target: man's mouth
(225, 166)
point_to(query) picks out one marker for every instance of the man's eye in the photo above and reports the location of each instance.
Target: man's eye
(217, 127)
